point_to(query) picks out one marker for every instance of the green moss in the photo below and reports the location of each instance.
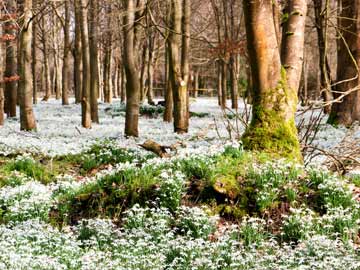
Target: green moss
(271, 130)
(228, 186)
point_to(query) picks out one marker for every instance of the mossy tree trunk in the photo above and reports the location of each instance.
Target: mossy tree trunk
(348, 111)
(27, 118)
(272, 129)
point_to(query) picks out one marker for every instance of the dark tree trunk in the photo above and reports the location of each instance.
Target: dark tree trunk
(348, 110)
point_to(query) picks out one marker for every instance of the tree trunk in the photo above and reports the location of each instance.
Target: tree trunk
(46, 61)
(132, 78)
(94, 60)
(123, 85)
(293, 38)
(78, 65)
(348, 111)
(2, 97)
(325, 71)
(85, 97)
(143, 72)
(179, 63)
(27, 118)
(168, 92)
(66, 73)
(10, 66)
(272, 129)
(34, 56)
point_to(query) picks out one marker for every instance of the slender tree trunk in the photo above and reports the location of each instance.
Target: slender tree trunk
(196, 83)
(132, 78)
(46, 61)
(34, 56)
(66, 73)
(224, 88)
(85, 97)
(168, 92)
(57, 74)
(123, 85)
(325, 70)
(219, 83)
(348, 111)
(27, 118)
(272, 129)
(10, 66)
(78, 65)
(94, 60)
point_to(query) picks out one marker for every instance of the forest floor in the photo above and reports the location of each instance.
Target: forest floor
(72, 198)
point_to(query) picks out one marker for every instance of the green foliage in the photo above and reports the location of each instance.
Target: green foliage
(29, 167)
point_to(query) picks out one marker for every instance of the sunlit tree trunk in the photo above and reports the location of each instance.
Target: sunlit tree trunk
(132, 75)
(348, 111)
(27, 118)
(272, 129)
(85, 97)
(179, 62)
(293, 38)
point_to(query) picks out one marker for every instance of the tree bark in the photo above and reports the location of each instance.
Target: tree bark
(78, 65)
(46, 61)
(27, 118)
(348, 110)
(94, 60)
(325, 70)
(66, 73)
(293, 39)
(179, 63)
(34, 56)
(85, 97)
(2, 97)
(272, 129)
(132, 78)
(10, 66)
